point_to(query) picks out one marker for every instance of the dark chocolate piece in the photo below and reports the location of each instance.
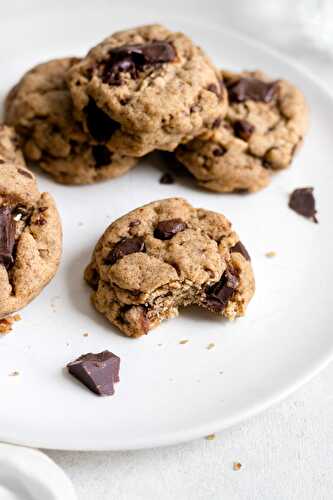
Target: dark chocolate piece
(134, 223)
(100, 125)
(7, 237)
(99, 372)
(303, 202)
(243, 129)
(166, 229)
(133, 58)
(217, 122)
(25, 173)
(219, 151)
(251, 89)
(124, 247)
(102, 155)
(218, 295)
(167, 178)
(213, 88)
(240, 248)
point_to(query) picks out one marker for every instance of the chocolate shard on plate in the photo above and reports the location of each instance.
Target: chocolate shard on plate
(303, 202)
(124, 247)
(251, 89)
(218, 295)
(240, 248)
(7, 237)
(133, 58)
(99, 372)
(166, 229)
(167, 178)
(243, 129)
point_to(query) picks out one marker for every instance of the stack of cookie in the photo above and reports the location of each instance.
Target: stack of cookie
(148, 89)
(84, 120)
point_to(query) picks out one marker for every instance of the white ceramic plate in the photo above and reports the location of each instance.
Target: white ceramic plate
(27, 474)
(170, 392)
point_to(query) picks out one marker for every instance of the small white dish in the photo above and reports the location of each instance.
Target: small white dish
(27, 474)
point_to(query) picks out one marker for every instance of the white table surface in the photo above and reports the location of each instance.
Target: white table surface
(287, 452)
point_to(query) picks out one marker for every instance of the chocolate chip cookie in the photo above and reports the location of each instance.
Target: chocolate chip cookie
(146, 88)
(30, 231)
(40, 108)
(264, 126)
(167, 255)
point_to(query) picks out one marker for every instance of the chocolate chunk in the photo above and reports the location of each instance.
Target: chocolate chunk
(134, 223)
(102, 155)
(166, 229)
(217, 122)
(213, 88)
(240, 248)
(243, 129)
(40, 221)
(302, 201)
(100, 125)
(133, 58)
(219, 151)
(7, 237)
(99, 372)
(167, 179)
(251, 89)
(218, 295)
(124, 247)
(25, 173)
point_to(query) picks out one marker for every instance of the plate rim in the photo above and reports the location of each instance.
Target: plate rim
(216, 425)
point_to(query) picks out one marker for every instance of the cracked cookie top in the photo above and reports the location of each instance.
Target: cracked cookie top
(146, 88)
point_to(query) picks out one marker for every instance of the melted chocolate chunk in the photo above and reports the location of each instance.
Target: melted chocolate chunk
(217, 122)
(102, 155)
(100, 125)
(240, 248)
(213, 88)
(99, 372)
(166, 229)
(124, 247)
(243, 129)
(25, 173)
(7, 237)
(219, 151)
(134, 223)
(133, 58)
(303, 202)
(167, 178)
(251, 89)
(218, 295)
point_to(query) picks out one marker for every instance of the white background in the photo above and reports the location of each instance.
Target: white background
(286, 453)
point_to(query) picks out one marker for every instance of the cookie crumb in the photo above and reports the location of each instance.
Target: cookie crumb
(14, 374)
(270, 254)
(183, 341)
(6, 323)
(237, 466)
(210, 437)
(211, 345)
(86, 334)
(220, 373)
